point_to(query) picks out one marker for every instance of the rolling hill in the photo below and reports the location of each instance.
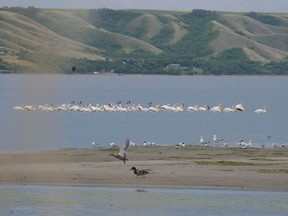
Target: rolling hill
(36, 40)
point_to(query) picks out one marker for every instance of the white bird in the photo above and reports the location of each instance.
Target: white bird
(240, 107)
(113, 145)
(203, 108)
(203, 142)
(193, 108)
(215, 139)
(218, 108)
(245, 145)
(274, 145)
(228, 109)
(122, 154)
(264, 110)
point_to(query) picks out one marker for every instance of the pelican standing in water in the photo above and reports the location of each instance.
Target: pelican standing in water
(122, 154)
(139, 172)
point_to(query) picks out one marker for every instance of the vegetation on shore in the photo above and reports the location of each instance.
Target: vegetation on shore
(142, 42)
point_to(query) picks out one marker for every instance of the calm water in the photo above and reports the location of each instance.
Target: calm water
(47, 200)
(34, 131)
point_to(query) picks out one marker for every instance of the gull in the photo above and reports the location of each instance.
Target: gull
(122, 154)
(139, 172)
(215, 139)
(274, 145)
(94, 143)
(245, 145)
(113, 145)
(203, 142)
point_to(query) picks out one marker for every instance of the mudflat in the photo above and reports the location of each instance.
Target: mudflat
(191, 167)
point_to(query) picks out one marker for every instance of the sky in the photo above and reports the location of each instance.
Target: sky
(279, 6)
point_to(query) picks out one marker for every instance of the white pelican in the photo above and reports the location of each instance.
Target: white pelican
(144, 109)
(215, 139)
(228, 109)
(139, 172)
(178, 108)
(109, 107)
(157, 108)
(122, 154)
(193, 108)
(19, 108)
(264, 110)
(218, 108)
(121, 109)
(240, 107)
(203, 108)
(96, 108)
(174, 108)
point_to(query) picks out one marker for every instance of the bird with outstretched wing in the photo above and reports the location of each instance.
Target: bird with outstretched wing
(122, 154)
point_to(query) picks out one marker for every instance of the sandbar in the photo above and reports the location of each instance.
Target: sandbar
(187, 167)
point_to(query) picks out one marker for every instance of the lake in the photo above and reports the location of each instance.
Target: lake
(24, 200)
(22, 131)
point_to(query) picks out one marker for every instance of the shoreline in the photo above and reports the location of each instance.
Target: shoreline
(142, 187)
(185, 168)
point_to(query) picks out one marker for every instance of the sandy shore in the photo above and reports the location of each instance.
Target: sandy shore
(196, 167)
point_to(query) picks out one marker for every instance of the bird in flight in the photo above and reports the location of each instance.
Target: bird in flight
(122, 154)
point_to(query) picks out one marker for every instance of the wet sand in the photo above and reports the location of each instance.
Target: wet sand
(191, 167)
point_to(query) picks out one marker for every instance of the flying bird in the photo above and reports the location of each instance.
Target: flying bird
(139, 172)
(122, 154)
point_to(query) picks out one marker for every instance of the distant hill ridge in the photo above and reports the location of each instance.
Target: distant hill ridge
(34, 40)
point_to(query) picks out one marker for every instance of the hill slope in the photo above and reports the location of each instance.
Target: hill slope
(68, 41)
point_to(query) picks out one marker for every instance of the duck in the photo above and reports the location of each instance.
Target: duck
(139, 172)
(122, 154)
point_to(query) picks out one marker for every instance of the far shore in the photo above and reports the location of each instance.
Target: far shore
(187, 167)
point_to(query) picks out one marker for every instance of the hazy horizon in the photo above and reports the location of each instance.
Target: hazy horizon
(277, 6)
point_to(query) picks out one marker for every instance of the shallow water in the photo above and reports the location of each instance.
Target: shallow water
(35, 131)
(27, 200)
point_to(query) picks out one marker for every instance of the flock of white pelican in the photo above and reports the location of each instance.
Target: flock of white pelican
(112, 107)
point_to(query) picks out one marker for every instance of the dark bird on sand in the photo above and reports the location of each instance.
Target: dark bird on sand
(122, 154)
(139, 172)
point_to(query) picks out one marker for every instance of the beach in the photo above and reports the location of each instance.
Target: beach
(187, 167)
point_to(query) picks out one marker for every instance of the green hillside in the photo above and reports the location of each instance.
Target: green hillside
(35, 40)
